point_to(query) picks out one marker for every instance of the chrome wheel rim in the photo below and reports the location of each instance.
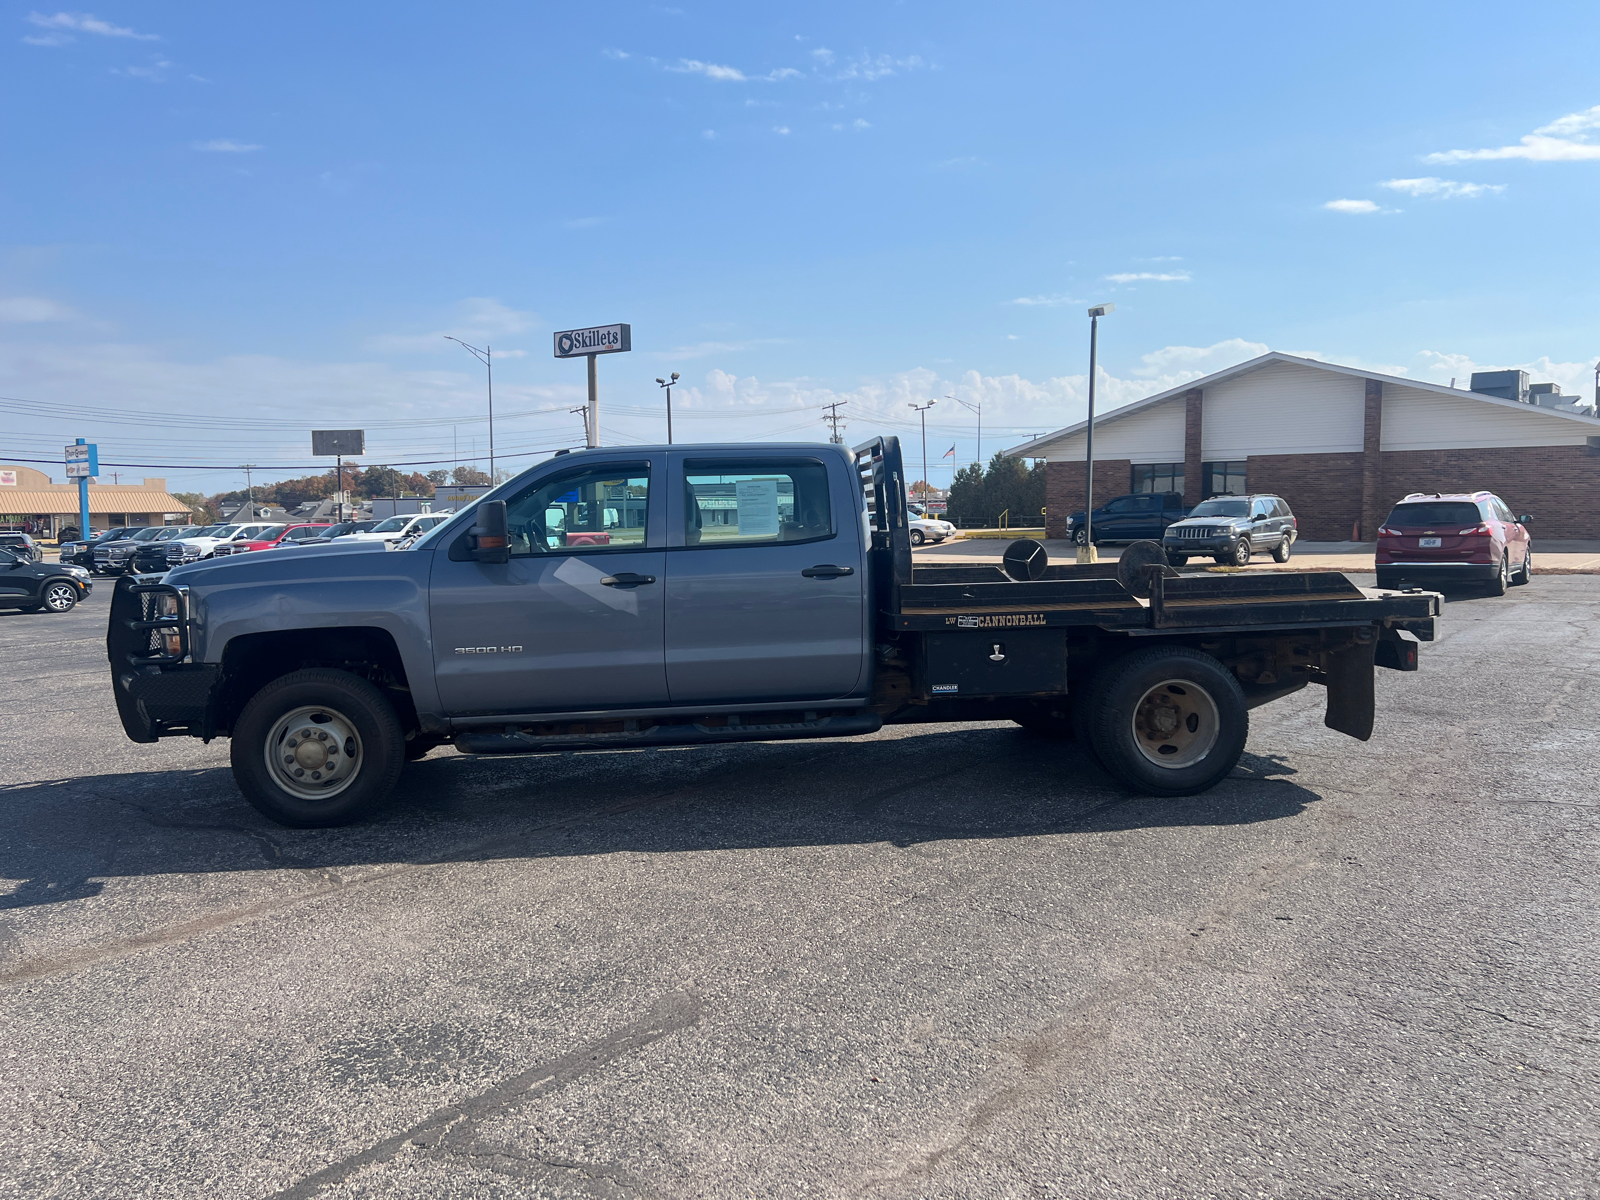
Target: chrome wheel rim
(1241, 554)
(59, 597)
(1176, 723)
(313, 752)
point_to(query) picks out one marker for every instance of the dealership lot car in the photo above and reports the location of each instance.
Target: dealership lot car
(1232, 528)
(1438, 539)
(32, 586)
(1129, 518)
(21, 544)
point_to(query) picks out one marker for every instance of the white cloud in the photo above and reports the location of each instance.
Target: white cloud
(1148, 276)
(619, 55)
(1171, 361)
(1575, 378)
(49, 39)
(871, 68)
(859, 123)
(724, 74)
(88, 23)
(1442, 189)
(1566, 139)
(477, 319)
(226, 146)
(1055, 301)
(709, 135)
(823, 55)
(1351, 206)
(781, 129)
(29, 309)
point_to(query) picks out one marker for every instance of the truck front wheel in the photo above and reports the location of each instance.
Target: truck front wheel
(1167, 721)
(317, 747)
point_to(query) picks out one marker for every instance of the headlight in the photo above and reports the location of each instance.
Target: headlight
(77, 572)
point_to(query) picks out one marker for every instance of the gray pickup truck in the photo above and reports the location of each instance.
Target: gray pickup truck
(686, 595)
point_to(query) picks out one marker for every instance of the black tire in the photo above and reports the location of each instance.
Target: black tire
(58, 597)
(1387, 581)
(1241, 553)
(1131, 700)
(1282, 551)
(373, 740)
(917, 537)
(1048, 721)
(1178, 560)
(1525, 575)
(1080, 536)
(1502, 577)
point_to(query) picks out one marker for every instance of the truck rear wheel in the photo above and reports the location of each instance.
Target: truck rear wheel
(315, 748)
(1168, 721)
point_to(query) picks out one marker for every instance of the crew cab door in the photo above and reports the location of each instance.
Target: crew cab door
(574, 621)
(766, 578)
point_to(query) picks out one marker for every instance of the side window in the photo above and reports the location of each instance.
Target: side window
(1503, 511)
(1121, 504)
(603, 508)
(755, 503)
(1146, 504)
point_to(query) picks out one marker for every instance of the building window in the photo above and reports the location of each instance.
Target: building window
(1223, 479)
(1158, 477)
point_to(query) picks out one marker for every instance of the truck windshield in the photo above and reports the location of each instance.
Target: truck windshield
(392, 525)
(1221, 508)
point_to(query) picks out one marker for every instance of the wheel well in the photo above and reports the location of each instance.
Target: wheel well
(253, 660)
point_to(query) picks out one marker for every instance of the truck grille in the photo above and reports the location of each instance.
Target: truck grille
(1197, 532)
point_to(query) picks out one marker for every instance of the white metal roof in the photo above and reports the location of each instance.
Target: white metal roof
(1274, 356)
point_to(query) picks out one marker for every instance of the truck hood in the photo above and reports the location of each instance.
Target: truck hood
(1211, 521)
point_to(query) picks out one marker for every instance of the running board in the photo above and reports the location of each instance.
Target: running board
(616, 735)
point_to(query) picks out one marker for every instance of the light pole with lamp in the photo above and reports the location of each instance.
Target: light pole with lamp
(486, 357)
(922, 413)
(667, 383)
(1086, 552)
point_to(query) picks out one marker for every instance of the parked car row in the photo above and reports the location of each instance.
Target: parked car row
(154, 548)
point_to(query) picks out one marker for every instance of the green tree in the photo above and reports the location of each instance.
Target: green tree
(421, 484)
(380, 481)
(438, 478)
(201, 510)
(966, 497)
(468, 476)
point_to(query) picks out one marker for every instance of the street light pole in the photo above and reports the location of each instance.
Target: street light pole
(667, 383)
(973, 406)
(922, 413)
(1086, 552)
(486, 357)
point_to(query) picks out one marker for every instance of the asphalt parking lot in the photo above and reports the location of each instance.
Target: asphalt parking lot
(941, 962)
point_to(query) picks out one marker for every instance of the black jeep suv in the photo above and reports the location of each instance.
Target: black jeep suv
(1232, 528)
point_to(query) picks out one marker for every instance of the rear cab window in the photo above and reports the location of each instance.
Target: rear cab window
(1434, 514)
(755, 502)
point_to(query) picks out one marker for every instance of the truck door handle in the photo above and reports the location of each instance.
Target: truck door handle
(627, 579)
(827, 571)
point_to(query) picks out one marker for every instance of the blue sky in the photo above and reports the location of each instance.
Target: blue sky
(222, 225)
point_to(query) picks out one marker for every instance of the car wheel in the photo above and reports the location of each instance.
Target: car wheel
(1168, 721)
(1178, 560)
(1502, 577)
(1080, 537)
(917, 537)
(315, 748)
(1241, 553)
(1282, 551)
(1526, 574)
(1388, 582)
(59, 597)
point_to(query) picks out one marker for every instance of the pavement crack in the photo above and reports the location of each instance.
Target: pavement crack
(672, 1013)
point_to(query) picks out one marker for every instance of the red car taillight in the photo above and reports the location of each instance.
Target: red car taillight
(1384, 531)
(1479, 531)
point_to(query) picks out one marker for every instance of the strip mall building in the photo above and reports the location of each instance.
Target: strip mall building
(1340, 444)
(30, 501)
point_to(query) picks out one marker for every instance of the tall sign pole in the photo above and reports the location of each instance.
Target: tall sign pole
(590, 343)
(83, 463)
(336, 443)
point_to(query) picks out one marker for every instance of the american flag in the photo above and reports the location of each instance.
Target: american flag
(950, 453)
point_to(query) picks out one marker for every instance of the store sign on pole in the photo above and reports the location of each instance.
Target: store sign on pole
(83, 461)
(338, 441)
(597, 339)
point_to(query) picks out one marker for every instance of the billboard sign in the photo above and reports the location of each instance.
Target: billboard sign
(597, 339)
(83, 462)
(330, 442)
(8, 479)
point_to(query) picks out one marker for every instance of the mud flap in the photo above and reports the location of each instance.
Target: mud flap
(1351, 701)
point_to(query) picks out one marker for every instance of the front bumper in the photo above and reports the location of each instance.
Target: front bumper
(157, 692)
(1218, 544)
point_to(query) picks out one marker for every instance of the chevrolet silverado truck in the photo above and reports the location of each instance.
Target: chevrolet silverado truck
(691, 595)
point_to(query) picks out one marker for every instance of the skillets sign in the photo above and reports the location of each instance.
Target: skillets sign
(598, 339)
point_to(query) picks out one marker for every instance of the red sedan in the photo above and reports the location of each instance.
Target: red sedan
(274, 535)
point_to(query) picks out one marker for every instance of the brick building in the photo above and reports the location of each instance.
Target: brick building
(1340, 444)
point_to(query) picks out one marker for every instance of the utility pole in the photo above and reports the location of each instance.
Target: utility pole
(583, 412)
(250, 494)
(922, 413)
(486, 357)
(666, 383)
(832, 418)
(592, 424)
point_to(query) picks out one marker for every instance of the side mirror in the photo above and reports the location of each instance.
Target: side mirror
(488, 537)
(1524, 518)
